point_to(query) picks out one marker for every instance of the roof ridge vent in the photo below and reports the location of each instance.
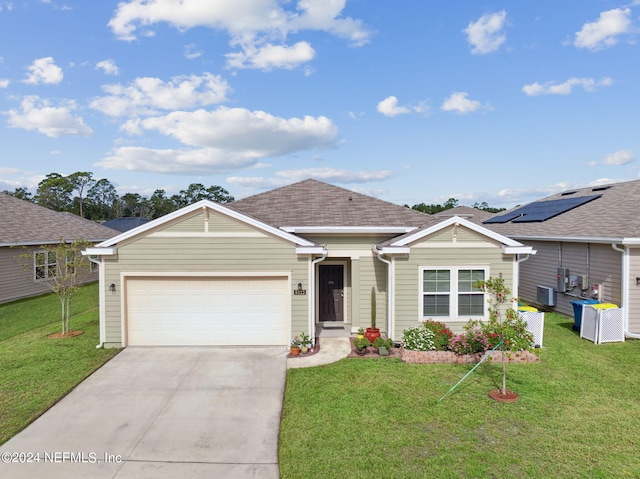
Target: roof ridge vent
(567, 193)
(601, 188)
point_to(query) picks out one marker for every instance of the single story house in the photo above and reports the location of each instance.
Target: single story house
(588, 247)
(24, 228)
(295, 259)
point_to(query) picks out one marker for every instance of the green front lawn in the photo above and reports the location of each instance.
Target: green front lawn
(578, 416)
(36, 372)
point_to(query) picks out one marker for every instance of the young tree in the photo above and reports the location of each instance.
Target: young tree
(63, 268)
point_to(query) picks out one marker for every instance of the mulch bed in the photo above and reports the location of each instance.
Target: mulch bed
(70, 334)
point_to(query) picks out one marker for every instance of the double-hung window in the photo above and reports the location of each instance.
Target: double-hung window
(45, 265)
(449, 293)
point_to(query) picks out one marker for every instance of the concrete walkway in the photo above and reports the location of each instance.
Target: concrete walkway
(331, 350)
(161, 412)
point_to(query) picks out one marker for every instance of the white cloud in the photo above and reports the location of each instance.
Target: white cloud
(330, 175)
(44, 70)
(389, 107)
(267, 57)
(191, 51)
(459, 102)
(225, 139)
(4, 82)
(108, 66)
(604, 31)
(252, 25)
(551, 88)
(6, 6)
(177, 161)
(147, 95)
(239, 129)
(485, 35)
(618, 158)
(38, 115)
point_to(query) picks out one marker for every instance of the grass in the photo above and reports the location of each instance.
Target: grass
(578, 416)
(36, 371)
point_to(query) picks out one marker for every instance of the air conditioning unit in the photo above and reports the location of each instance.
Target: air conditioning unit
(546, 296)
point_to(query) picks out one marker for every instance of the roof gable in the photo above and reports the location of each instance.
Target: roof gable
(187, 211)
(312, 203)
(25, 223)
(509, 245)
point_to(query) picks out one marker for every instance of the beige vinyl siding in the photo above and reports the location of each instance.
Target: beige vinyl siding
(408, 284)
(634, 291)
(599, 262)
(193, 224)
(16, 282)
(373, 274)
(205, 254)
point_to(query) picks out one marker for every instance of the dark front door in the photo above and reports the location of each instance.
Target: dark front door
(331, 297)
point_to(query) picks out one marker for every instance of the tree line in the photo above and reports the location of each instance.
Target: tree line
(98, 200)
(452, 203)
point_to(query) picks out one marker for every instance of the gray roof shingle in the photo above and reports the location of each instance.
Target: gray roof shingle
(314, 203)
(22, 222)
(614, 215)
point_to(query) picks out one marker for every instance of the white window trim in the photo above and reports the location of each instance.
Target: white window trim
(453, 294)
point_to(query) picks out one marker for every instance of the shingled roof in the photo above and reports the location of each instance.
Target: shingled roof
(314, 203)
(25, 223)
(613, 215)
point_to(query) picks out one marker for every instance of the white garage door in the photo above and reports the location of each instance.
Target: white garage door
(247, 311)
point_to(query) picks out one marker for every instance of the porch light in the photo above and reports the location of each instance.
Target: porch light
(299, 286)
(112, 287)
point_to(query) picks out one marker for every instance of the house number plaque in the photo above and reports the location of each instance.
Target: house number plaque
(300, 292)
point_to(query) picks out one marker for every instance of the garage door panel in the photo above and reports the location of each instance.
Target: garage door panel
(208, 311)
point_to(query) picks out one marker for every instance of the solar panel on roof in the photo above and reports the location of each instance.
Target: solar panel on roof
(542, 210)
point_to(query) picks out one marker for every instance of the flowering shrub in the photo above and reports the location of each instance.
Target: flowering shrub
(472, 341)
(442, 335)
(418, 338)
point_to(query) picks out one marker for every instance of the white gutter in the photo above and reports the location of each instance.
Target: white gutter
(312, 287)
(389, 290)
(101, 300)
(625, 290)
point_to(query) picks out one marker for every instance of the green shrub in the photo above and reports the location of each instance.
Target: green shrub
(418, 338)
(442, 335)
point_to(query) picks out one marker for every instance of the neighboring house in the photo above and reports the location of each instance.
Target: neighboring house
(125, 223)
(265, 268)
(24, 228)
(588, 246)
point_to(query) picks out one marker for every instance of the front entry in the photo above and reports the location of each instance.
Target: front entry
(331, 292)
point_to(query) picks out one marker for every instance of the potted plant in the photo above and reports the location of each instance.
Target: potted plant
(373, 332)
(295, 346)
(361, 345)
(305, 343)
(361, 332)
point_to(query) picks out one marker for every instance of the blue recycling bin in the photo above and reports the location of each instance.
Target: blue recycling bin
(577, 311)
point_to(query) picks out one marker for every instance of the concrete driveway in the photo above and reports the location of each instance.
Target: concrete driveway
(156, 412)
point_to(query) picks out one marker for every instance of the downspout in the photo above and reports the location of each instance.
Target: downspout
(389, 289)
(519, 260)
(625, 290)
(101, 300)
(312, 286)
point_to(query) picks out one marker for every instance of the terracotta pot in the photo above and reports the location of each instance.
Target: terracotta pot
(295, 350)
(371, 334)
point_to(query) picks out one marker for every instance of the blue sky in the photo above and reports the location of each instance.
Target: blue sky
(410, 101)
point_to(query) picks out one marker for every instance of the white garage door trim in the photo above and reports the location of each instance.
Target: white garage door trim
(256, 307)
